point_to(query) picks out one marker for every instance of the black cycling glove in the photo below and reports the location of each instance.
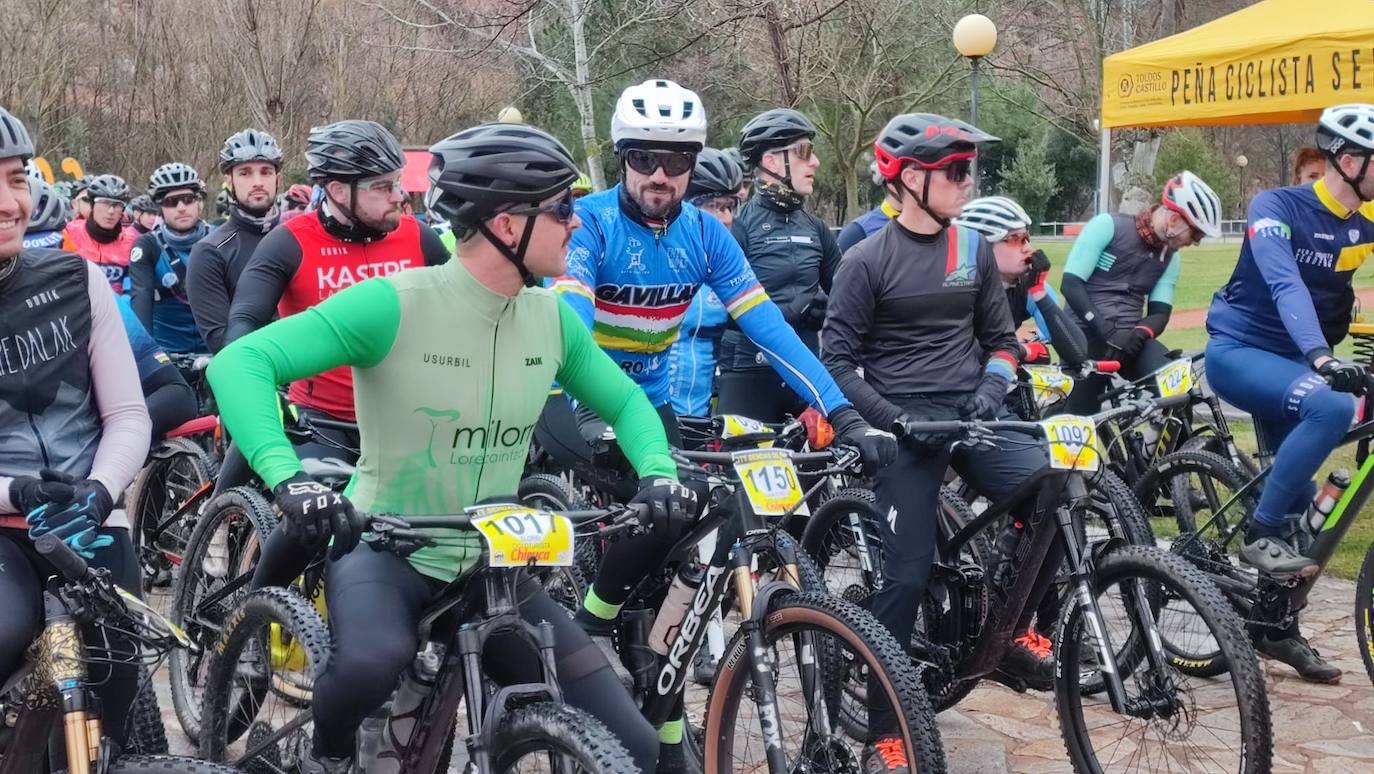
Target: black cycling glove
(877, 448)
(986, 402)
(671, 505)
(312, 513)
(1345, 376)
(27, 493)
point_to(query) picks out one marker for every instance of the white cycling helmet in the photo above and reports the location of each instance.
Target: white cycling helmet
(994, 217)
(1348, 129)
(1345, 125)
(1186, 194)
(659, 112)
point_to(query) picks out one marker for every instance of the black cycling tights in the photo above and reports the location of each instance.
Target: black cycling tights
(1086, 397)
(171, 401)
(375, 600)
(22, 574)
(757, 393)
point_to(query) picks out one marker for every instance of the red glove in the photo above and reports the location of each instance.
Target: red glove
(1034, 352)
(819, 433)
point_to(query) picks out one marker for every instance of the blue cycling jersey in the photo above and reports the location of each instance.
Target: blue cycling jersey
(148, 356)
(692, 358)
(632, 286)
(1292, 282)
(49, 240)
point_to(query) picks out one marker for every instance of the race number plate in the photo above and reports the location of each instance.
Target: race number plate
(1073, 443)
(734, 426)
(520, 536)
(1049, 382)
(1174, 379)
(769, 479)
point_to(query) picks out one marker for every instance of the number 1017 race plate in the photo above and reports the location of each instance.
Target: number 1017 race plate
(520, 536)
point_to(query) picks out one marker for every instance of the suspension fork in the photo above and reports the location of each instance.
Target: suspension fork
(1081, 573)
(59, 649)
(760, 666)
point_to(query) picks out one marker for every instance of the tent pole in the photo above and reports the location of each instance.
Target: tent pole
(1104, 172)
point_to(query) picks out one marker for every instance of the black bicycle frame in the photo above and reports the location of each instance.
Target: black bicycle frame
(1324, 544)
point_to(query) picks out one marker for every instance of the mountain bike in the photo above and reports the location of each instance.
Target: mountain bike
(784, 696)
(1214, 503)
(275, 644)
(51, 721)
(216, 568)
(1122, 701)
(166, 496)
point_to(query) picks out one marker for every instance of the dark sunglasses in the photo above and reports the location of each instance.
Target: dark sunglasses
(187, 199)
(674, 163)
(803, 149)
(561, 209)
(958, 171)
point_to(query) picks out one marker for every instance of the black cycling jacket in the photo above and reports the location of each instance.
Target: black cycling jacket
(794, 256)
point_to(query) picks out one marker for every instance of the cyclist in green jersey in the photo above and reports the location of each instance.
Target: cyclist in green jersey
(452, 366)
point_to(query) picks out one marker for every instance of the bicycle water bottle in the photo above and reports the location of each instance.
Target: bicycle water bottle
(383, 739)
(1327, 497)
(674, 608)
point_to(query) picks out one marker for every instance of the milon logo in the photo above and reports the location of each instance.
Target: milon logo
(46, 297)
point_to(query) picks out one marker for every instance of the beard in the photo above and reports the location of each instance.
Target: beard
(656, 201)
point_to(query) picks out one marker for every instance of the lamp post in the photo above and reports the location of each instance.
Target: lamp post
(974, 37)
(1241, 162)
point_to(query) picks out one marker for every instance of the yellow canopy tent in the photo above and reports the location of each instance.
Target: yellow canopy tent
(1277, 61)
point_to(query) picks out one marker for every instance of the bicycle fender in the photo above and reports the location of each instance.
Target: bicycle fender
(763, 598)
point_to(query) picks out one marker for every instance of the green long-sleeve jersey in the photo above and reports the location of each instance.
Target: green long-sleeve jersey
(449, 379)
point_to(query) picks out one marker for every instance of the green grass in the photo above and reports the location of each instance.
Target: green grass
(1205, 268)
(1350, 553)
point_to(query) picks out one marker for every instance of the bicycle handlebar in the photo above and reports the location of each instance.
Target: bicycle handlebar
(975, 428)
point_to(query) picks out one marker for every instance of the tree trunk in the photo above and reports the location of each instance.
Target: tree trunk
(582, 97)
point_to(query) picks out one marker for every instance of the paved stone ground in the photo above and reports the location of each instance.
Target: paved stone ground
(1318, 729)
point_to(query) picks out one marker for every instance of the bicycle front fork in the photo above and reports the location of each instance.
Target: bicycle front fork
(1138, 610)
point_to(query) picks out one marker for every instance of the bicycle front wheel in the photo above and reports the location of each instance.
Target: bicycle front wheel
(545, 737)
(816, 644)
(1170, 720)
(214, 578)
(1364, 612)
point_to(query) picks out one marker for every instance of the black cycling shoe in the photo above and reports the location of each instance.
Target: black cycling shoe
(704, 667)
(324, 765)
(1295, 651)
(1275, 556)
(1028, 662)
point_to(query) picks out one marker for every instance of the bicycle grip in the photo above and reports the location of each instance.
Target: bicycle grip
(61, 556)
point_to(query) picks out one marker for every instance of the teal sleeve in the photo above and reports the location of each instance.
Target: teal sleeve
(1088, 247)
(590, 376)
(1163, 292)
(355, 327)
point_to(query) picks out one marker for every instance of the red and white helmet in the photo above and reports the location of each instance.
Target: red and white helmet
(1186, 194)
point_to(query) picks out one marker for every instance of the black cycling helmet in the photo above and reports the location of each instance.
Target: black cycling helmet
(249, 145)
(350, 151)
(108, 187)
(716, 174)
(143, 203)
(15, 141)
(50, 212)
(773, 129)
(79, 186)
(482, 171)
(928, 141)
(171, 177)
